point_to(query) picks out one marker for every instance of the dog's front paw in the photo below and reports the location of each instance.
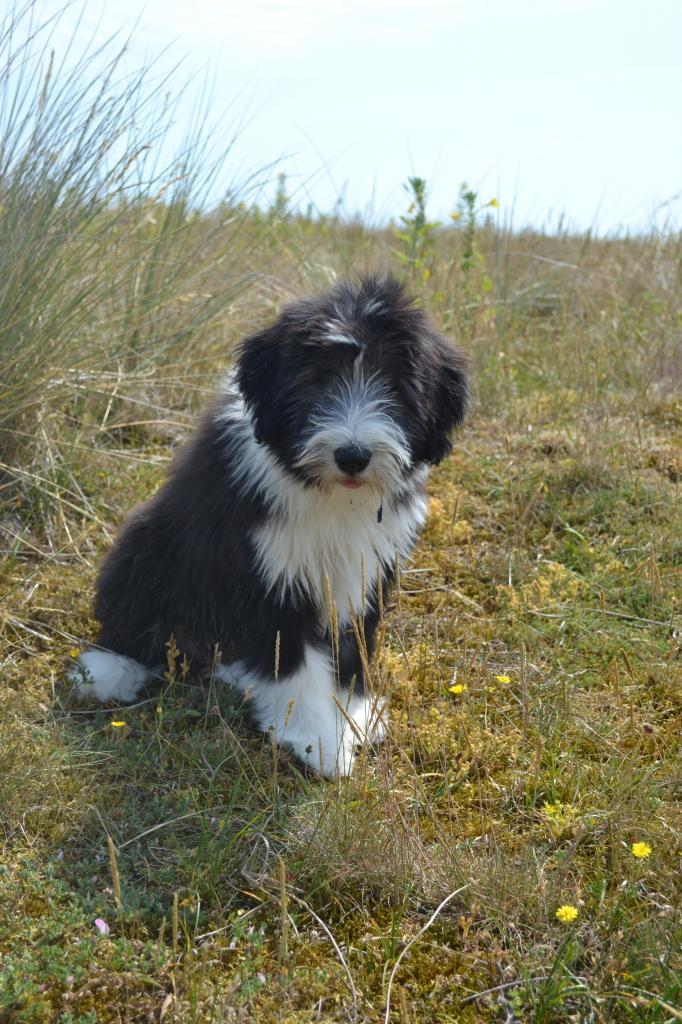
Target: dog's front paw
(324, 726)
(367, 719)
(326, 758)
(333, 752)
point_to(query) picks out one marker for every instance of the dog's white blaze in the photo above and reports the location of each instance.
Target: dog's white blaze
(108, 676)
(302, 712)
(320, 534)
(335, 332)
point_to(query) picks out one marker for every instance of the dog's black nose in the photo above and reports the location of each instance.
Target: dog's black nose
(351, 459)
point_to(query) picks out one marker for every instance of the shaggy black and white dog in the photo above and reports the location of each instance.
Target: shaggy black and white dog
(303, 484)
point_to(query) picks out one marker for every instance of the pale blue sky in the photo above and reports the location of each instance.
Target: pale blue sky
(548, 105)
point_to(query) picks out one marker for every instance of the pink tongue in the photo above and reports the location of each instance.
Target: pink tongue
(351, 484)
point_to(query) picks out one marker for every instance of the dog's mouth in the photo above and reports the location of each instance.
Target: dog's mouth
(351, 483)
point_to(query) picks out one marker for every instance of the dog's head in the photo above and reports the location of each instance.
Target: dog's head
(355, 388)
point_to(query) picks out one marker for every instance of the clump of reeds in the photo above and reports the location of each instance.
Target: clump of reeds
(106, 276)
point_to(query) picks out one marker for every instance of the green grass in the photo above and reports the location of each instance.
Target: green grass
(232, 886)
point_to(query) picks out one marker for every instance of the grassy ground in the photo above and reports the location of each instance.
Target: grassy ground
(532, 657)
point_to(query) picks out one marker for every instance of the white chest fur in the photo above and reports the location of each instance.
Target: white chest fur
(337, 538)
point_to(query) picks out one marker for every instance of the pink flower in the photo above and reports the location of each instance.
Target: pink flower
(101, 926)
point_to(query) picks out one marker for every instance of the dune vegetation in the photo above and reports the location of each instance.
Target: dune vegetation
(513, 851)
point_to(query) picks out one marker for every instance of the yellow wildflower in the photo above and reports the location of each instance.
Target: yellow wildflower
(558, 814)
(566, 913)
(493, 202)
(503, 679)
(118, 725)
(457, 688)
(641, 850)
(74, 652)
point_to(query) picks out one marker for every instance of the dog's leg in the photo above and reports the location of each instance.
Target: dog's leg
(108, 676)
(366, 712)
(302, 710)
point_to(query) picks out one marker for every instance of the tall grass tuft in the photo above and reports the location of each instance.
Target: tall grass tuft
(118, 250)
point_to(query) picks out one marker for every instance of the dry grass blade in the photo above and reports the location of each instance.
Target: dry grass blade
(441, 906)
(337, 950)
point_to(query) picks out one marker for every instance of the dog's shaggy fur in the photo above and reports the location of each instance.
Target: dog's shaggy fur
(303, 484)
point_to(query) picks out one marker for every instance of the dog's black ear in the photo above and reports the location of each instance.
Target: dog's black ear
(258, 366)
(448, 396)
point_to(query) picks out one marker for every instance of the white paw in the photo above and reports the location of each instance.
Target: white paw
(368, 715)
(333, 750)
(105, 676)
(324, 727)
